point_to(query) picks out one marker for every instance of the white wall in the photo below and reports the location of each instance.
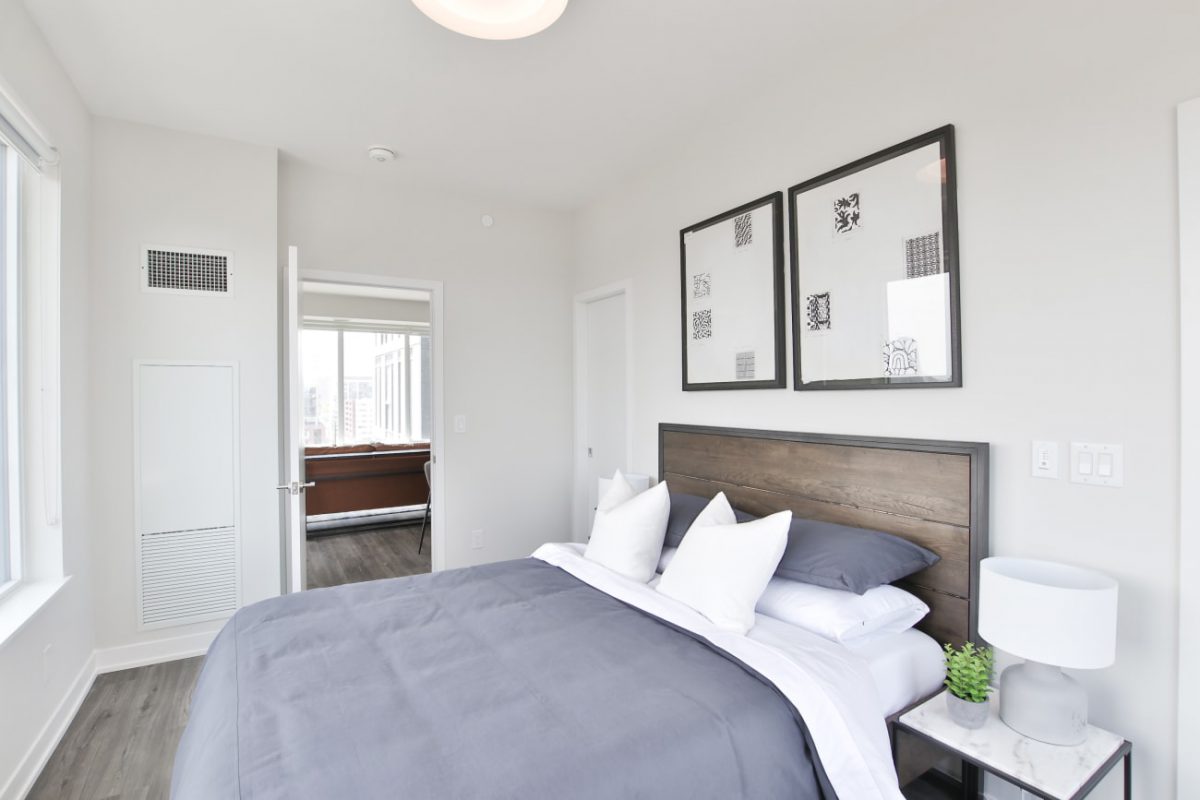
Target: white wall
(507, 339)
(38, 687)
(340, 306)
(1065, 117)
(1189, 539)
(153, 186)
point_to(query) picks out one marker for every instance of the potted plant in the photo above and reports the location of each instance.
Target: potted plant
(968, 683)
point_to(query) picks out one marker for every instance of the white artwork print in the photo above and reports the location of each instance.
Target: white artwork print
(857, 238)
(730, 299)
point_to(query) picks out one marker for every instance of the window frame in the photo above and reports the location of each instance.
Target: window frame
(401, 362)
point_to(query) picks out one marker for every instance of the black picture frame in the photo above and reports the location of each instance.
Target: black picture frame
(944, 138)
(778, 302)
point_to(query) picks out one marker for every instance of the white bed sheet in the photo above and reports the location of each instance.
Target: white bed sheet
(906, 666)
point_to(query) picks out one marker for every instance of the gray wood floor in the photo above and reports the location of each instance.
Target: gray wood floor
(122, 742)
(366, 556)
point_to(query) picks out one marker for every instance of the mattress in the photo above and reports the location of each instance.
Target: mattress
(906, 667)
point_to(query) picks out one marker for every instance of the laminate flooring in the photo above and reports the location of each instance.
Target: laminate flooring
(338, 558)
(121, 744)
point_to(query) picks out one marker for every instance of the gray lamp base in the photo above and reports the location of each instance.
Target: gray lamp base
(1041, 702)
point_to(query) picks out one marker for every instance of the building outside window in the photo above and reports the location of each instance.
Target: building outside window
(365, 386)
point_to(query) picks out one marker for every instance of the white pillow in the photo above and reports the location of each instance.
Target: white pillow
(721, 570)
(628, 532)
(839, 615)
(668, 553)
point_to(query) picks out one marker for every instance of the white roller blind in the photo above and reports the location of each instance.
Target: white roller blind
(22, 134)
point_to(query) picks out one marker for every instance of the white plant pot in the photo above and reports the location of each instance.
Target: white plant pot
(965, 713)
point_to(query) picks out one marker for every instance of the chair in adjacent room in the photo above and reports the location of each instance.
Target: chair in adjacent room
(428, 499)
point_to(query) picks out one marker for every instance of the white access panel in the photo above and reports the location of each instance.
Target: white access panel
(187, 540)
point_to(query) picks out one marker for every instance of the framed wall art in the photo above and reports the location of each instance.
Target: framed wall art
(874, 248)
(732, 299)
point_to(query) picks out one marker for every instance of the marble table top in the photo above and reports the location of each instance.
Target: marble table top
(1054, 770)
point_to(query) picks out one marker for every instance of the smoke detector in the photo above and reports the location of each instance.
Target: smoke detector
(381, 154)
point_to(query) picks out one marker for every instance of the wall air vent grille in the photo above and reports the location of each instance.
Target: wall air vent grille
(186, 271)
(188, 576)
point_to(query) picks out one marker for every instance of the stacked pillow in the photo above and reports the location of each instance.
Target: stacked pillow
(832, 580)
(824, 553)
(722, 567)
(627, 533)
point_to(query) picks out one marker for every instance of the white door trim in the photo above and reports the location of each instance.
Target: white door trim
(1188, 742)
(437, 337)
(582, 299)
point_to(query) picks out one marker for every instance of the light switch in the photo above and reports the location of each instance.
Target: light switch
(1097, 464)
(460, 423)
(1045, 460)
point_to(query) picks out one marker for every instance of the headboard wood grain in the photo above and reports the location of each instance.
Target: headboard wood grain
(934, 493)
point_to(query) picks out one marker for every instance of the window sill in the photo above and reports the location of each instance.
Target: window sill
(21, 603)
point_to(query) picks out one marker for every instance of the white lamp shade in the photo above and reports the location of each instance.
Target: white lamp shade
(493, 19)
(1048, 612)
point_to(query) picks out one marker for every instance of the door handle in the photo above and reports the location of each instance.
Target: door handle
(296, 488)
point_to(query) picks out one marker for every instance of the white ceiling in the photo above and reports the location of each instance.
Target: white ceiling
(550, 120)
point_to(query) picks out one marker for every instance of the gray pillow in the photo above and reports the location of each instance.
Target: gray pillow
(684, 510)
(855, 559)
(822, 553)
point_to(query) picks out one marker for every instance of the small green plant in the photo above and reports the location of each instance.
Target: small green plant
(969, 672)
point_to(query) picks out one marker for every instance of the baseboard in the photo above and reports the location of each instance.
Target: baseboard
(21, 782)
(157, 651)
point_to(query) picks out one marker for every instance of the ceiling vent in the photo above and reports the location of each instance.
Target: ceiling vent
(178, 270)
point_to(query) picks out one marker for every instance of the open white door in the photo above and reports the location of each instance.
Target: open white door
(295, 536)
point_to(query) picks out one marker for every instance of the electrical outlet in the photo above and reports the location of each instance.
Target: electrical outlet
(476, 540)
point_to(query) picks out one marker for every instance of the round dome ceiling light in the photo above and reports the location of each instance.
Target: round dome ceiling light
(493, 19)
(381, 154)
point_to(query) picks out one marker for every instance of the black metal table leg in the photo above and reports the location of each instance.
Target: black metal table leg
(971, 783)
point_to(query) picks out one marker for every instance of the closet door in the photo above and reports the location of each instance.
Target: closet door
(186, 492)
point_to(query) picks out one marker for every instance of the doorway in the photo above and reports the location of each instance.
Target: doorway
(603, 394)
(363, 439)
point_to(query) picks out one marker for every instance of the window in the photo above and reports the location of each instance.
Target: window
(365, 385)
(30, 419)
(8, 226)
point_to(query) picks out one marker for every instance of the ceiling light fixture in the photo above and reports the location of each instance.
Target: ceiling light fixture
(493, 19)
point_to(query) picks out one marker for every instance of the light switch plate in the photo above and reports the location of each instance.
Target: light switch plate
(1097, 464)
(1044, 460)
(460, 423)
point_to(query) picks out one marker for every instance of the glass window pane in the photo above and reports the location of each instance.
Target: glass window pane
(319, 371)
(420, 387)
(364, 380)
(6, 195)
(388, 358)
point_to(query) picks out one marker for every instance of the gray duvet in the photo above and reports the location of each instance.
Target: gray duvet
(511, 680)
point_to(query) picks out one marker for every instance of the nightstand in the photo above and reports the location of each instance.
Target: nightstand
(1046, 770)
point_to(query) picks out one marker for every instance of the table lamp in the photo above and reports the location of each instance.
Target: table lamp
(1053, 615)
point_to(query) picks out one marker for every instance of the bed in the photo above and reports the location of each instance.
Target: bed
(554, 677)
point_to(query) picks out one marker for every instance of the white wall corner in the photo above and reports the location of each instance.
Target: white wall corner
(1188, 696)
(34, 760)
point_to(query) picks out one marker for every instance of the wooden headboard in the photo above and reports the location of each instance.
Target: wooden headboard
(931, 492)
